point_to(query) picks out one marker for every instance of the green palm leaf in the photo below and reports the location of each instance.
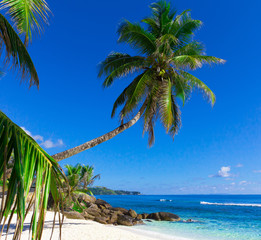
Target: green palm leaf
(28, 16)
(151, 113)
(195, 82)
(195, 61)
(137, 37)
(161, 20)
(193, 48)
(183, 26)
(176, 123)
(139, 90)
(135, 93)
(117, 65)
(165, 105)
(17, 56)
(31, 164)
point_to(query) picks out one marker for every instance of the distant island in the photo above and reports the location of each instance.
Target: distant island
(107, 191)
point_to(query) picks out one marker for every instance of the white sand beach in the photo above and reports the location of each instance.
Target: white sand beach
(74, 229)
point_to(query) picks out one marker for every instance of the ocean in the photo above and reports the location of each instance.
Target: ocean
(217, 217)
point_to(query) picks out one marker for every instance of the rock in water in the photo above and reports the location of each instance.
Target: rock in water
(154, 216)
(137, 221)
(164, 216)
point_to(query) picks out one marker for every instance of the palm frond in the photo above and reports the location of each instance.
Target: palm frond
(139, 89)
(151, 114)
(137, 37)
(181, 87)
(183, 26)
(31, 164)
(161, 19)
(176, 123)
(193, 48)
(195, 61)
(196, 83)
(166, 43)
(117, 65)
(136, 92)
(165, 104)
(17, 56)
(28, 16)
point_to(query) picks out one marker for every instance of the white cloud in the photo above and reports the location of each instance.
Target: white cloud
(239, 165)
(46, 143)
(51, 144)
(223, 172)
(243, 183)
(257, 171)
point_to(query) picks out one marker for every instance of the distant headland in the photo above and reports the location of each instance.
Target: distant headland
(107, 191)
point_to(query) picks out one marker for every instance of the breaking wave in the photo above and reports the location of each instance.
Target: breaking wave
(232, 204)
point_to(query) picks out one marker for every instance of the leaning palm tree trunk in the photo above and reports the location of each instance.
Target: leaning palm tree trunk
(92, 143)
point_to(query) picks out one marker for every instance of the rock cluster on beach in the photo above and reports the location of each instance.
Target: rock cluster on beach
(100, 211)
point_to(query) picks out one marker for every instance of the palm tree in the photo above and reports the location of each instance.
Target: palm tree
(168, 52)
(31, 164)
(87, 177)
(80, 176)
(73, 175)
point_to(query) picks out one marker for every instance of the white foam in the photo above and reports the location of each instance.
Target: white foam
(232, 204)
(165, 200)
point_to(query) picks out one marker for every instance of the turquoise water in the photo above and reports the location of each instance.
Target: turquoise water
(219, 217)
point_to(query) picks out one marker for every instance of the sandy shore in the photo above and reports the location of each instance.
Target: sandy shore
(74, 229)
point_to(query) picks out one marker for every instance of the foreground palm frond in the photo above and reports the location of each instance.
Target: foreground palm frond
(16, 55)
(31, 165)
(28, 16)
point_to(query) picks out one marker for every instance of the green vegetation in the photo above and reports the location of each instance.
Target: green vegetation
(31, 164)
(167, 52)
(107, 191)
(26, 16)
(80, 177)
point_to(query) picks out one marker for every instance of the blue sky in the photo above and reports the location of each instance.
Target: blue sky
(216, 151)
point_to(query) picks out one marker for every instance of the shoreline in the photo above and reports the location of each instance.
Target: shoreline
(76, 229)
